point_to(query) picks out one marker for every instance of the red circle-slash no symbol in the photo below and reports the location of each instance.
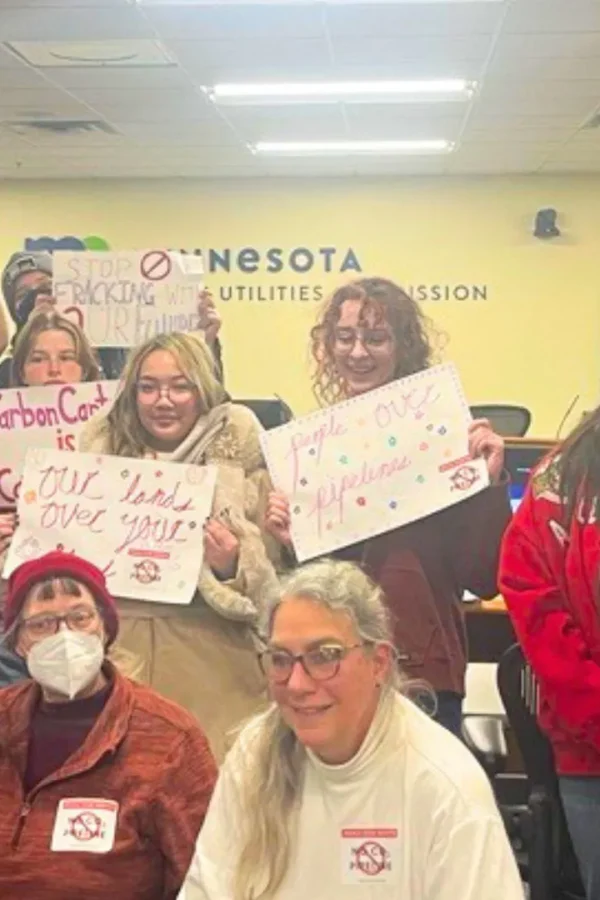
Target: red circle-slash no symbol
(86, 826)
(464, 478)
(371, 858)
(156, 265)
(146, 572)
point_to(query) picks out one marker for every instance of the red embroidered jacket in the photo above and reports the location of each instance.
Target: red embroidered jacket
(549, 576)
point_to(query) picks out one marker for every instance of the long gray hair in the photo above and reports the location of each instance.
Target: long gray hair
(273, 761)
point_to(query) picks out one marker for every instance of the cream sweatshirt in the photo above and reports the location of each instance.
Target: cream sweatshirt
(410, 817)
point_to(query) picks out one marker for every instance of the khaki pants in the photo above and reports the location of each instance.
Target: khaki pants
(196, 658)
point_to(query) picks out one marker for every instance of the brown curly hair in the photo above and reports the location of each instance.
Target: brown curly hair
(389, 303)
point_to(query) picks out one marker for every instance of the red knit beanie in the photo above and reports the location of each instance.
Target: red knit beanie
(58, 564)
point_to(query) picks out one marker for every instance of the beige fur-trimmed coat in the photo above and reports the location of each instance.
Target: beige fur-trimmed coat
(228, 438)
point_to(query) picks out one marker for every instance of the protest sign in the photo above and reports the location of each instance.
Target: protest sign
(375, 462)
(52, 416)
(140, 521)
(123, 299)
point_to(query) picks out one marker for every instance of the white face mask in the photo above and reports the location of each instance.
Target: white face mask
(67, 662)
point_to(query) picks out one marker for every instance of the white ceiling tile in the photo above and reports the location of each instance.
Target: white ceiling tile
(288, 123)
(283, 59)
(561, 167)
(418, 50)
(73, 24)
(247, 22)
(122, 78)
(549, 46)
(545, 68)
(558, 16)
(542, 83)
(400, 20)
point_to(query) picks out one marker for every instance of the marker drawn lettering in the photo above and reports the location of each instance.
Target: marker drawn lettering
(312, 440)
(68, 482)
(158, 530)
(412, 403)
(136, 496)
(332, 496)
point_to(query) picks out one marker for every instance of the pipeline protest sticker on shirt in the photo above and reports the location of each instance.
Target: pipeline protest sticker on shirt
(85, 826)
(123, 299)
(369, 855)
(376, 462)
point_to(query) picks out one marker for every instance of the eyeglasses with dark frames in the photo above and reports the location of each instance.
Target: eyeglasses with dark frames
(320, 663)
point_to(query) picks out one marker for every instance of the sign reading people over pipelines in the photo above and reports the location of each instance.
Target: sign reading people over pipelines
(51, 416)
(375, 462)
(140, 521)
(123, 299)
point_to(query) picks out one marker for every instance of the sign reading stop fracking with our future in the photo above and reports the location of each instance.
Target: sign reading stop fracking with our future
(123, 299)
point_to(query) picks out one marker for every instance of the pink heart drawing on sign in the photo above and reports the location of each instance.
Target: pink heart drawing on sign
(419, 414)
(423, 446)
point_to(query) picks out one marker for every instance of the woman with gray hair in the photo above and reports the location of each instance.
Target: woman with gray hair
(344, 786)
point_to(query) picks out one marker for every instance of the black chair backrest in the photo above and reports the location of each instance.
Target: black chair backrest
(520, 695)
(270, 413)
(507, 420)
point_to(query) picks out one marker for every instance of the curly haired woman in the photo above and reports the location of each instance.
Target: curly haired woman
(370, 333)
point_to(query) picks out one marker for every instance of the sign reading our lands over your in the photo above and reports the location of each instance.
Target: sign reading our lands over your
(52, 416)
(375, 462)
(123, 299)
(140, 521)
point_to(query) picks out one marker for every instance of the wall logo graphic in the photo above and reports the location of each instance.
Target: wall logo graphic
(272, 265)
(67, 242)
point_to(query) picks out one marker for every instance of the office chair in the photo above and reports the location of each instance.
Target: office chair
(270, 413)
(506, 420)
(552, 869)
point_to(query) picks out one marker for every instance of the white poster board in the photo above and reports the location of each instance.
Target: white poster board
(123, 299)
(376, 462)
(52, 417)
(140, 521)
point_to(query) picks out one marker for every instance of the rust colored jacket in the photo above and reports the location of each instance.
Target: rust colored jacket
(144, 753)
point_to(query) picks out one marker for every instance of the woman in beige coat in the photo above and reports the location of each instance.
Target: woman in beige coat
(172, 407)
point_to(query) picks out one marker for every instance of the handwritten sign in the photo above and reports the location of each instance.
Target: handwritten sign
(51, 416)
(376, 462)
(123, 299)
(139, 521)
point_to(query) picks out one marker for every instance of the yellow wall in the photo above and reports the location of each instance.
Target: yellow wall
(534, 341)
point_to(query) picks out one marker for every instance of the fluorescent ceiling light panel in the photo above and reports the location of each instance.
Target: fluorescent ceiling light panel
(407, 91)
(350, 148)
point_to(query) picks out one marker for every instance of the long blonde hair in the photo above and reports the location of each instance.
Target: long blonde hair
(47, 319)
(126, 436)
(270, 781)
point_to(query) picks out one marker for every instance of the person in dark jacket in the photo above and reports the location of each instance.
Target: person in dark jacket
(369, 334)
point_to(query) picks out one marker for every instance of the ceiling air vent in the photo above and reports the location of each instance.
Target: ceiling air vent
(60, 127)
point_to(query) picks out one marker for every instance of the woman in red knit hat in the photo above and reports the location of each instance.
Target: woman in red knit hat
(104, 784)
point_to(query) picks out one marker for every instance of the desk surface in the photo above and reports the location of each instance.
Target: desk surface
(497, 606)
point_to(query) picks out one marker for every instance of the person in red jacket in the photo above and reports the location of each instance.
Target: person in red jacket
(104, 784)
(370, 333)
(549, 576)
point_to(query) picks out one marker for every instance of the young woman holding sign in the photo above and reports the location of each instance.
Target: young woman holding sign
(173, 408)
(370, 333)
